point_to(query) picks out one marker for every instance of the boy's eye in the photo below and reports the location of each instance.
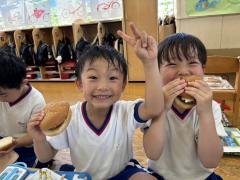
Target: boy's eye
(171, 64)
(92, 77)
(194, 62)
(113, 78)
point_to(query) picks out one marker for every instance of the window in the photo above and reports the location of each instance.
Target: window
(165, 7)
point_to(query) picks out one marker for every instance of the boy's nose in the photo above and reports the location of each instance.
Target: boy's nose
(102, 85)
(183, 72)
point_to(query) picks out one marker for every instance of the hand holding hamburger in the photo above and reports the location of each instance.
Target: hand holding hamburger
(184, 100)
(56, 119)
(52, 121)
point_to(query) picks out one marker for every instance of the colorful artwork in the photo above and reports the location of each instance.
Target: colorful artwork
(37, 13)
(212, 7)
(24, 14)
(11, 14)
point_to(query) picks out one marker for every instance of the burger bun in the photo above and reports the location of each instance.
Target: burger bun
(184, 100)
(6, 143)
(56, 119)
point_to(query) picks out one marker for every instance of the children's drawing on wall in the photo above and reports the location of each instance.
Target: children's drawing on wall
(203, 5)
(211, 7)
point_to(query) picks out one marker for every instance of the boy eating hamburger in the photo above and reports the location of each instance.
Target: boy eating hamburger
(185, 141)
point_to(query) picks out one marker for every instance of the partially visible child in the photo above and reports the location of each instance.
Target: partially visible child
(185, 143)
(101, 128)
(18, 102)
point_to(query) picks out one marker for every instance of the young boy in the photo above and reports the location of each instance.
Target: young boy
(101, 128)
(18, 102)
(185, 143)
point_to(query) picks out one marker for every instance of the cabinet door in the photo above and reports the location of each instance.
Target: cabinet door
(144, 14)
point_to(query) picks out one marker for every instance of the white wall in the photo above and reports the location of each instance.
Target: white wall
(216, 32)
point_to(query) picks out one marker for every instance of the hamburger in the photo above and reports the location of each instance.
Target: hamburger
(184, 100)
(56, 119)
(6, 143)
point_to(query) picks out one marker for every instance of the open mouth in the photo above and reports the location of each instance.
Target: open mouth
(186, 100)
(102, 96)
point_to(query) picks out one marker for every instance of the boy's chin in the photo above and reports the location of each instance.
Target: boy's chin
(101, 105)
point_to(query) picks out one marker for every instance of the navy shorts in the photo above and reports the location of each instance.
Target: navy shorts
(27, 155)
(132, 168)
(212, 176)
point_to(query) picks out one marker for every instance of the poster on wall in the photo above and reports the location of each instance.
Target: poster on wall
(212, 7)
(26, 14)
(37, 13)
(64, 12)
(11, 14)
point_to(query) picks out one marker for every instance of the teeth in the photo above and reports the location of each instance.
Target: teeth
(187, 100)
(101, 96)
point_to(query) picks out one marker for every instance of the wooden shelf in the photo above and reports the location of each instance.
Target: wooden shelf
(224, 65)
(51, 80)
(34, 72)
(51, 72)
(95, 22)
(68, 72)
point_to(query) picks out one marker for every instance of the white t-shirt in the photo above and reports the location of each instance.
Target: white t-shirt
(179, 159)
(14, 116)
(103, 152)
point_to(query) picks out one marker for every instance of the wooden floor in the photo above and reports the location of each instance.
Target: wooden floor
(229, 167)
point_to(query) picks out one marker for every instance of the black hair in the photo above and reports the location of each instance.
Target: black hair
(179, 46)
(111, 55)
(12, 71)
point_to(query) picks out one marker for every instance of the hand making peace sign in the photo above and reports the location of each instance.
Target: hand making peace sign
(144, 45)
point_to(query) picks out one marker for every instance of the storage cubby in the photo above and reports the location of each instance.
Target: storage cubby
(7, 42)
(50, 72)
(34, 73)
(218, 65)
(90, 30)
(56, 68)
(63, 47)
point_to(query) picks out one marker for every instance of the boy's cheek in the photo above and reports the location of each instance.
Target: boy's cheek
(168, 76)
(167, 79)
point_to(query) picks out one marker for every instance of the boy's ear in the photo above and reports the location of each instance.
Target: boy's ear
(79, 84)
(24, 82)
(124, 85)
(204, 68)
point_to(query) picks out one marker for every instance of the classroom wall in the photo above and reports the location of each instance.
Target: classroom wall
(217, 32)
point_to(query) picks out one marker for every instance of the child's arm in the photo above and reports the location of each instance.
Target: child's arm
(146, 49)
(210, 148)
(23, 141)
(154, 137)
(42, 148)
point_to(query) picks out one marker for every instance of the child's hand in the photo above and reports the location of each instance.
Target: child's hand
(144, 45)
(203, 95)
(172, 90)
(33, 127)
